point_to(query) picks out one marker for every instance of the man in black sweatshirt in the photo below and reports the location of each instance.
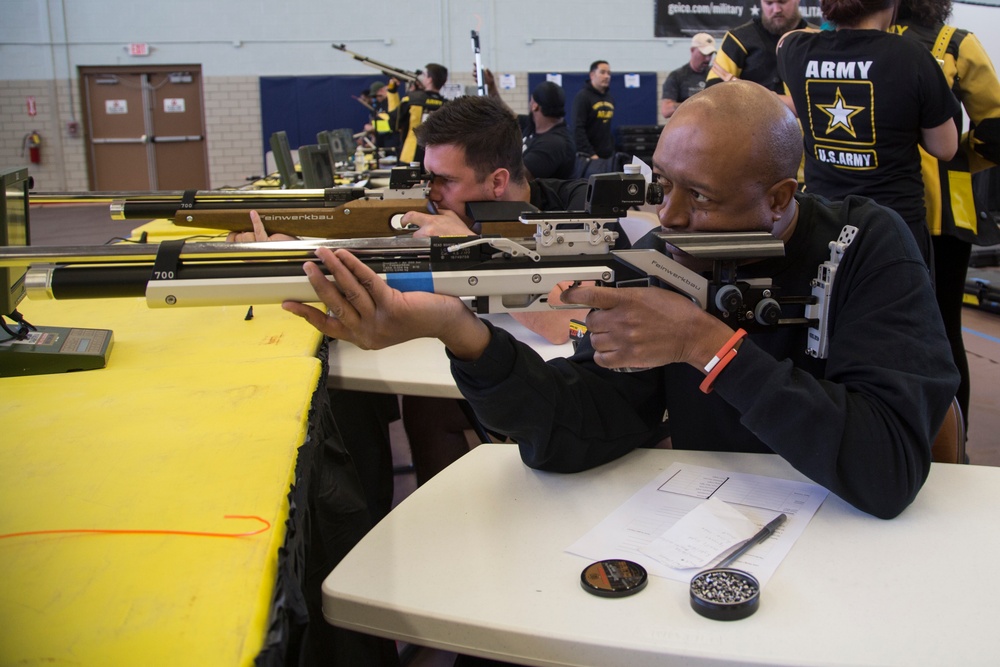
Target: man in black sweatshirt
(593, 109)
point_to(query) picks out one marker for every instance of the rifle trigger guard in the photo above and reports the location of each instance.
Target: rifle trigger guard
(508, 246)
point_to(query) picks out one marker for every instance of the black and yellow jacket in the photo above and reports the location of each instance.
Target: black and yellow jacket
(410, 113)
(748, 53)
(951, 209)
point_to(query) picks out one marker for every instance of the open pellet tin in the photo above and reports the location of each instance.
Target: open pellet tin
(725, 594)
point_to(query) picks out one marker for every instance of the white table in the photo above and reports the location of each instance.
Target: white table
(474, 562)
(418, 367)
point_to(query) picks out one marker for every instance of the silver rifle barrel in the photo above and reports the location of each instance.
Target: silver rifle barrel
(128, 253)
(725, 245)
(101, 197)
(167, 205)
(126, 270)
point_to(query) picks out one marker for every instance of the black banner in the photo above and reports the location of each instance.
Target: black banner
(684, 18)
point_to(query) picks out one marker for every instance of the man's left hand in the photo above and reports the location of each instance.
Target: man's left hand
(363, 309)
(445, 223)
(258, 233)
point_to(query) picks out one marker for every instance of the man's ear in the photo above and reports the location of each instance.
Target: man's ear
(780, 196)
(498, 181)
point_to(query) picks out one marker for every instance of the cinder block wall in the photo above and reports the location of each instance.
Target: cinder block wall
(63, 164)
(232, 125)
(233, 130)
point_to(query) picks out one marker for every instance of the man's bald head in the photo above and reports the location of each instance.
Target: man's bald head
(753, 125)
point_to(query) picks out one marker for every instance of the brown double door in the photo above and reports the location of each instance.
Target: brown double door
(145, 128)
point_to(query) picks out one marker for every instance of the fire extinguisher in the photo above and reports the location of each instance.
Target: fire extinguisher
(33, 142)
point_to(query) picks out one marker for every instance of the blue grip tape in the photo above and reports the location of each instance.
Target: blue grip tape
(417, 281)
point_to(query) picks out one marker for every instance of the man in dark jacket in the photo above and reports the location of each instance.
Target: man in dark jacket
(548, 147)
(593, 109)
(860, 421)
(548, 150)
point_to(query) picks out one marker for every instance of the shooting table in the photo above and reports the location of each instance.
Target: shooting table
(418, 367)
(198, 415)
(496, 582)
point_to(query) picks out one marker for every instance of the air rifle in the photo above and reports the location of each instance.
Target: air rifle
(388, 70)
(500, 274)
(341, 212)
(491, 274)
(346, 212)
(338, 212)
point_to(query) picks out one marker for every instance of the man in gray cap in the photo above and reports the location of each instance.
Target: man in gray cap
(688, 79)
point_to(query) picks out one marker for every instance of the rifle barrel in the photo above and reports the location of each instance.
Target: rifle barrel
(167, 204)
(145, 253)
(388, 70)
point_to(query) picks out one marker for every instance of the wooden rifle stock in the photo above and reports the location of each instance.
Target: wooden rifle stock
(359, 218)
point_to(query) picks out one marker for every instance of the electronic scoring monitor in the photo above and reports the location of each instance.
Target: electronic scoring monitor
(13, 232)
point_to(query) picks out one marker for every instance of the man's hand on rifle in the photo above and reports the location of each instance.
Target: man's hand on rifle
(646, 327)
(364, 310)
(443, 223)
(552, 325)
(258, 233)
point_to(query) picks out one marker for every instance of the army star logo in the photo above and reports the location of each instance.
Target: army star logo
(840, 114)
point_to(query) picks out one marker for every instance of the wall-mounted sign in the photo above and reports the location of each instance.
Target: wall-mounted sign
(138, 49)
(451, 91)
(115, 106)
(32, 108)
(173, 105)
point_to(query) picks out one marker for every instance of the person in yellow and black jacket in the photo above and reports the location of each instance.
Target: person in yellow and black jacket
(952, 213)
(415, 106)
(383, 117)
(748, 50)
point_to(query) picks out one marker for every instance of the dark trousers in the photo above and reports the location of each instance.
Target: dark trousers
(951, 263)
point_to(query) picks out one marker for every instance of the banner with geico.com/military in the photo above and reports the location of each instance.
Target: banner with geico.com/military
(680, 18)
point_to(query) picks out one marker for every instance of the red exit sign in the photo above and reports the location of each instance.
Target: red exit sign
(138, 49)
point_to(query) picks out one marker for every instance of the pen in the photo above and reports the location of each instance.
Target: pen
(761, 535)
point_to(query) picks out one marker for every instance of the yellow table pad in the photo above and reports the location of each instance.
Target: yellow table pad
(135, 447)
(164, 337)
(163, 229)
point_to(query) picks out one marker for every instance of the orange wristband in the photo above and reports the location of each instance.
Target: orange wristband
(721, 359)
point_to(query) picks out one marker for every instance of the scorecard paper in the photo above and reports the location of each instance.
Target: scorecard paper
(633, 530)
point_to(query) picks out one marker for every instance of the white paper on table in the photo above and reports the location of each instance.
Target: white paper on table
(702, 535)
(678, 490)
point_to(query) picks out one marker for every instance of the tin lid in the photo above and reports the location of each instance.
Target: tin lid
(613, 578)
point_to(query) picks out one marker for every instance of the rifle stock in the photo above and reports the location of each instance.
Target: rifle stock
(359, 218)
